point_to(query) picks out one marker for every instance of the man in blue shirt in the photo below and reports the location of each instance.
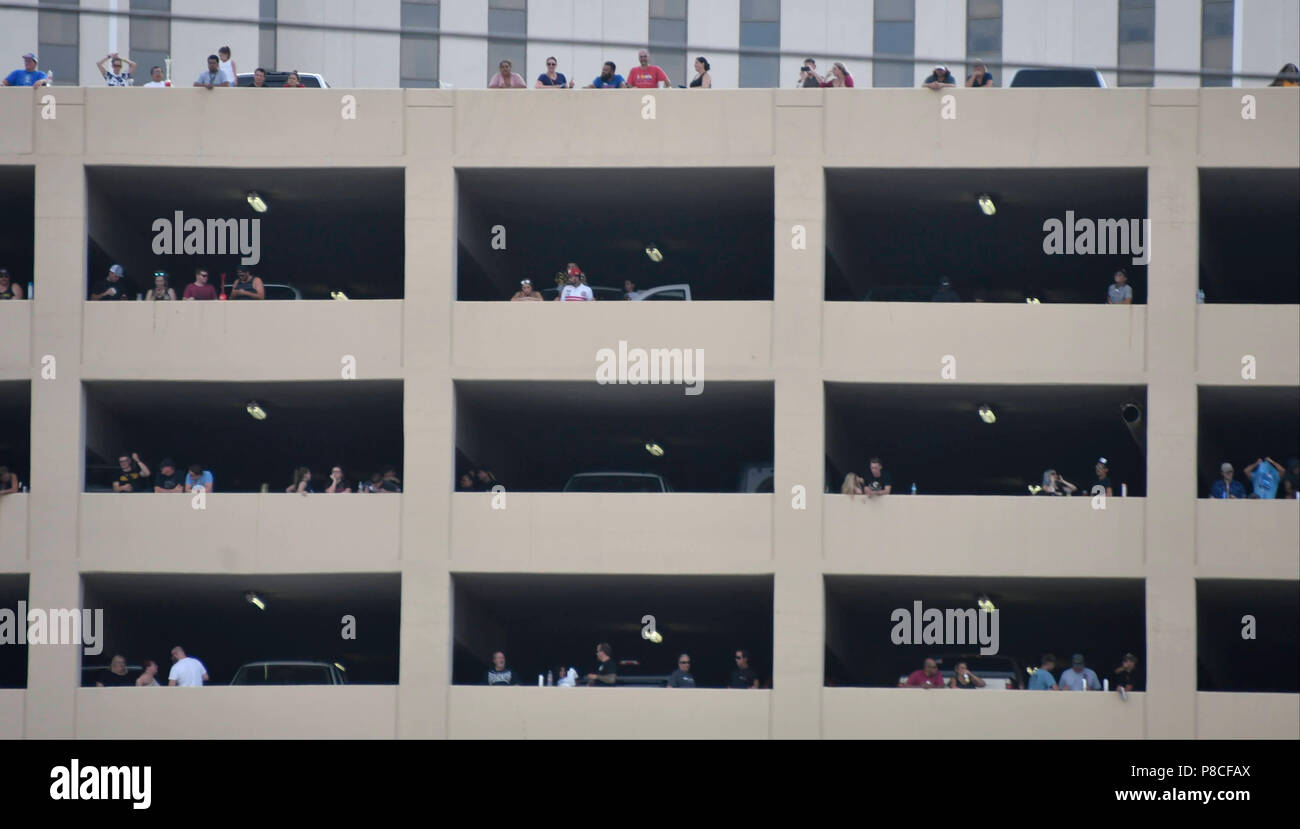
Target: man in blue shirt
(1079, 677)
(27, 76)
(1226, 487)
(1042, 680)
(1264, 474)
(608, 79)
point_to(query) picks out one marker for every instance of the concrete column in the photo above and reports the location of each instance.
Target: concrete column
(56, 479)
(1172, 195)
(427, 416)
(797, 652)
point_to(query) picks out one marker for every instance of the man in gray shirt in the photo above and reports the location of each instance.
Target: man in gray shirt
(1079, 677)
(213, 77)
(682, 678)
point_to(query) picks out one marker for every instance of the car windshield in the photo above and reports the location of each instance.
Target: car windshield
(284, 675)
(614, 483)
(1055, 77)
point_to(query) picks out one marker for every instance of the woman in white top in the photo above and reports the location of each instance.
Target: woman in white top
(228, 67)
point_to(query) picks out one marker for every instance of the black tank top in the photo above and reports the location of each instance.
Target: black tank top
(8, 293)
(698, 82)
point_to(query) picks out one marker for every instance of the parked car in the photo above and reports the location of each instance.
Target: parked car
(290, 672)
(1058, 78)
(1000, 673)
(277, 79)
(680, 291)
(599, 293)
(275, 290)
(617, 482)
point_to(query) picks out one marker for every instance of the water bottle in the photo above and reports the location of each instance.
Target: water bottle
(914, 487)
(550, 678)
(1200, 296)
(29, 290)
(539, 680)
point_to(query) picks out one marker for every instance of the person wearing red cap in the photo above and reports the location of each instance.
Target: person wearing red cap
(576, 290)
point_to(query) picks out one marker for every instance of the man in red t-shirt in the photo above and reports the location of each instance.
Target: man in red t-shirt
(199, 288)
(927, 677)
(646, 76)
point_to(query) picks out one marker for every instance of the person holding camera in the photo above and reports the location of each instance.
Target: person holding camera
(808, 77)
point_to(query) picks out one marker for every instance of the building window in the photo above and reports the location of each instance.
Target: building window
(1216, 41)
(507, 19)
(419, 56)
(267, 10)
(760, 28)
(984, 37)
(667, 30)
(58, 39)
(894, 35)
(151, 39)
(1137, 41)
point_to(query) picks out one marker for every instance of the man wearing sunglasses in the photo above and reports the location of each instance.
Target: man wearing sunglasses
(682, 678)
(742, 676)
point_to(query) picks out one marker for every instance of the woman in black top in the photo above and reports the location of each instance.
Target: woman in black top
(161, 289)
(301, 481)
(703, 80)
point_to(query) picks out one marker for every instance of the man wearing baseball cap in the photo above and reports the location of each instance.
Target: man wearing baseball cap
(526, 292)
(111, 287)
(939, 78)
(27, 76)
(1226, 487)
(1079, 677)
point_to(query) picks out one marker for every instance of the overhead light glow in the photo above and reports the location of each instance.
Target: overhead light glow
(654, 253)
(1032, 300)
(255, 410)
(338, 295)
(655, 449)
(256, 202)
(986, 414)
(986, 604)
(986, 204)
(255, 600)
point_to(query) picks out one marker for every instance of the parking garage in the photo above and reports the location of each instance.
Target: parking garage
(13, 656)
(356, 425)
(17, 232)
(16, 436)
(936, 437)
(892, 235)
(1101, 618)
(707, 228)
(534, 436)
(1242, 424)
(545, 621)
(323, 231)
(214, 619)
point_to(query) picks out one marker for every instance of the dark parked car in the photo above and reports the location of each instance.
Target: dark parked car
(290, 672)
(1058, 78)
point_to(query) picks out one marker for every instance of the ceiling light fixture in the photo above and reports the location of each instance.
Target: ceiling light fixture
(1032, 300)
(338, 295)
(256, 202)
(654, 449)
(985, 604)
(986, 204)
(255, 600)
(654, 253)
(986, 414)
(255, 410)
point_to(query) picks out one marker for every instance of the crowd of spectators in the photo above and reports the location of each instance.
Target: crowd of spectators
(221, 72)
(604, 672)
(477, 479)
(134, 475)
(878, 482)
(116, 286)
(186, 672)
(1078, 677)
(1268, 480)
